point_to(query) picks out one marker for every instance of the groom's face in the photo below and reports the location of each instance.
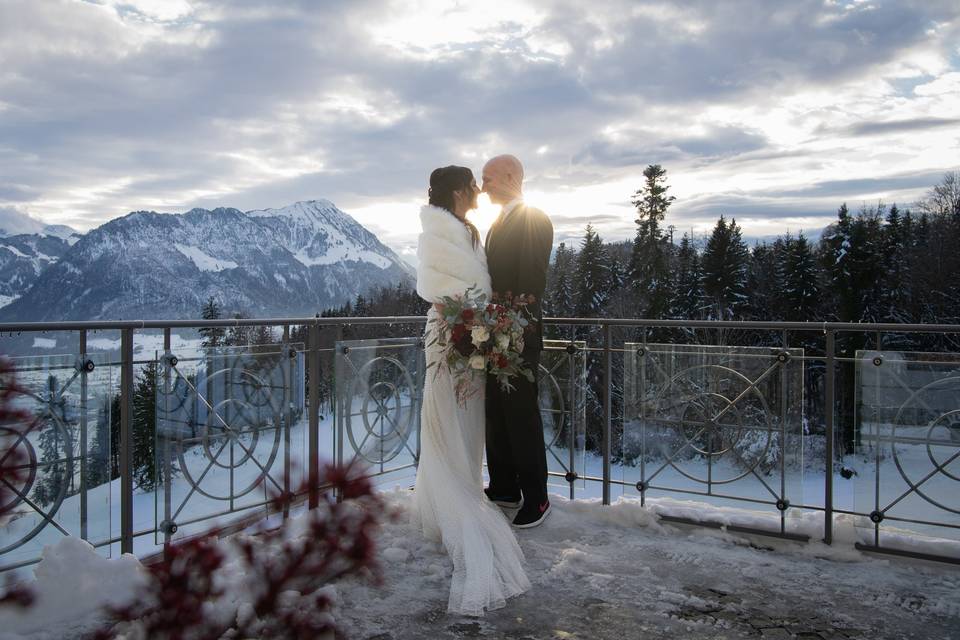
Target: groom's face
(503, 179)
(494, 188)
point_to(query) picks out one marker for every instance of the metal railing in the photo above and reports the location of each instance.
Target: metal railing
(698, 405)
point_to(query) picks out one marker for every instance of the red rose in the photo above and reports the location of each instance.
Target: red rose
(502, 362)
(464, 345)
(467, 315)
(458, 332)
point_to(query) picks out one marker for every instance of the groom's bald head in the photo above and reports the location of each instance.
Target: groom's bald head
(503, 179)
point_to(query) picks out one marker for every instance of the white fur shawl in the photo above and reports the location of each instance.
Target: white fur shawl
(448, 262)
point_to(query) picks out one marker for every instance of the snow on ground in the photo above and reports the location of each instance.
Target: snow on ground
(598, 572)
(616, 572)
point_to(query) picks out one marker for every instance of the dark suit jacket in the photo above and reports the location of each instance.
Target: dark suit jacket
(518, 255)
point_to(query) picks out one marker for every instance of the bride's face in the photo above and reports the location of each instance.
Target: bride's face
(466, 199)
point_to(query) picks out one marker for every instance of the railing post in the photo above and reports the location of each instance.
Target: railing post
(126, 440)
(313, 354)
(828, 463)
(84, 508)
(287, 418)
(167, 461)
(607, 410)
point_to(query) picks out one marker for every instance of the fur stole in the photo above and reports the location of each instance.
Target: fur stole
(449, 264)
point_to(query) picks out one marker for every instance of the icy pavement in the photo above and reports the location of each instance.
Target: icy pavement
(615, 572)
(598, 572)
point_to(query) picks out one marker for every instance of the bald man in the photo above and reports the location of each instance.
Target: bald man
(518, 249)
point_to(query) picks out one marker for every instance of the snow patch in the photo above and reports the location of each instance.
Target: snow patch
(341, 252)
(203, 261)
(15, 251)
(5, 300)
(73, 583)
(394, 554)
(44, 343)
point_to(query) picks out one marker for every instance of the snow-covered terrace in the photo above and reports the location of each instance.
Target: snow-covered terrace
(598, 572)
(633, 568)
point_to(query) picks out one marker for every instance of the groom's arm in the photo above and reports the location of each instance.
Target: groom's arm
(533, 258)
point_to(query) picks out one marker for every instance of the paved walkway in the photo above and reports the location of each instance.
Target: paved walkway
(616, 573)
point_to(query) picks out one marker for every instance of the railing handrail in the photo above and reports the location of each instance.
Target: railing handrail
(102, 325)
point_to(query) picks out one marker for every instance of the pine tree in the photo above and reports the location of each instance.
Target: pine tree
(560, 282)
(145, 428)
(592, 275)
(764, 278)
(800, 292)
(239, 335)
(115, 437)
(54, 450)
(98, 464)
(687, 302)
(725, 262)
(212, 336)
(866, 247)
(895, 301)
(262, 335)
(649, 269)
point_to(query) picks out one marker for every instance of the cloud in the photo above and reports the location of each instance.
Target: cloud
(896, 126)
(122, 105)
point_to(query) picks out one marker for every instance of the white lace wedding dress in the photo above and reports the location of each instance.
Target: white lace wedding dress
(449, 503)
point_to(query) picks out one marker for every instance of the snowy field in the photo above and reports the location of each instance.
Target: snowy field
(597, 572)
(804, 486)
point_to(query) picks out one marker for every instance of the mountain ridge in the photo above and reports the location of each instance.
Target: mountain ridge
(295, 260)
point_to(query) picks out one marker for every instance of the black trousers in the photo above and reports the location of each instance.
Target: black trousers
(516, 456)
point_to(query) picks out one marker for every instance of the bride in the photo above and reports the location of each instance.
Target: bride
(449, 503)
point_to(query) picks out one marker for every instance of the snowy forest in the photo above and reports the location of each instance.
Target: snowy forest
(881, 263)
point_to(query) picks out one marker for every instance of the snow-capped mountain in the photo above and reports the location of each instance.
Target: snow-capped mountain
(293, 261)
(14, 223)
(23, 258)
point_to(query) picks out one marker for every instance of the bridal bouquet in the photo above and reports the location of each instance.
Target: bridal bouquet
(480, 336)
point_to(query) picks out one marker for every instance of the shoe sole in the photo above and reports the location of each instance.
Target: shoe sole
(535, 523)
(508, 505)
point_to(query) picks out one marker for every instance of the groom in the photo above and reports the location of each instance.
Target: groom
(518, 253)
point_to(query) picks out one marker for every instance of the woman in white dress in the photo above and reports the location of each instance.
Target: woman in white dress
(449, 503)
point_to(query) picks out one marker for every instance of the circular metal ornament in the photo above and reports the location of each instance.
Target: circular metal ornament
(63, 469)
(553, 405)
(641, 486)
(571, 476)
(698, 429)
(943, 421)
(234, 423)
(876, 517)
(382, 403)
(783, 504)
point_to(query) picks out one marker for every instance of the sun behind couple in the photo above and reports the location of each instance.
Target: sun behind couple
(451, 504)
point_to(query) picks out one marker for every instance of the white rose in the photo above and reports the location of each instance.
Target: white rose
(477, 362)
(503, 341)
(479, 334)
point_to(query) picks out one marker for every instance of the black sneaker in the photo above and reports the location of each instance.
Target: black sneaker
(505, 500)
(532, 515)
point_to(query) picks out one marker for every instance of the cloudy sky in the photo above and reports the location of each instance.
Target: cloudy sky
(773, 112)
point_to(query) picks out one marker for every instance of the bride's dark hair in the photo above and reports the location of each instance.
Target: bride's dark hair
(443, 182)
